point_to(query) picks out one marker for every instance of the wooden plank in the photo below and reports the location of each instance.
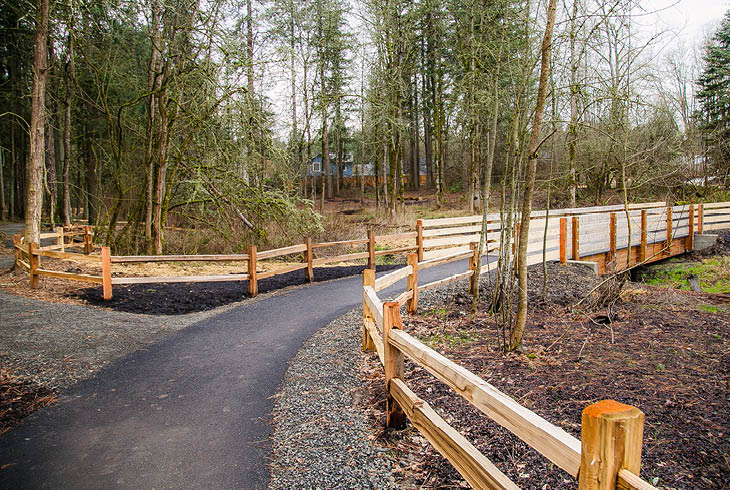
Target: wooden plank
(715, 205)
(128, 259)
(174, 279)
(342, 242)
(722, 218)
(25, 264)
(393, 251)
(455, 240)
(340, 258)
(52, 247)
(462, 220)
(396, 236)
(628, 480)
(551, 441)
(445, 259)
(476, 469)
(374, 305)
(461, 230)
(403, 297)
(392, 277)
(283, 270)
(278, 252)
(375, 336)
(70, 276)
(444, 252)
(448, 280)
(69, 256)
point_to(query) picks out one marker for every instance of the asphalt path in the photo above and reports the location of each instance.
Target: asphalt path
(191, 411)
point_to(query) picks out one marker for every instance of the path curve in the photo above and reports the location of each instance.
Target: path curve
(191, 411)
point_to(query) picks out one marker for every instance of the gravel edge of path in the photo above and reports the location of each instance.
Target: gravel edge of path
(321, 434)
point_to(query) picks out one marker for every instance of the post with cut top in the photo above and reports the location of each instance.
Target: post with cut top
(309, 255)
(563, 240)
(690, 243)
(393, 363)
(368, 279)
(668, 243)
(642, 247)
(612, 239)
(419, 239)
(106, 272)
(34, 265)
(59, 239)
(413, 282)
(611, 439)
(576, 238)
(253, 284)
(371, 249)
(88, 243)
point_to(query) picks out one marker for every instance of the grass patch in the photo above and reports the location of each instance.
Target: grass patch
(713, 274)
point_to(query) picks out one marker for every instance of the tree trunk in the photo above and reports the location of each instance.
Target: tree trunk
(573, 127)
(529, 189)
(34, 195)
(154, 80)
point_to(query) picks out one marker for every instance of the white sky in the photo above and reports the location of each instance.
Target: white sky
(690, 20)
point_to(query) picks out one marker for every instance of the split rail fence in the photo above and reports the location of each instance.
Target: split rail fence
(595, 234)
(608, 456)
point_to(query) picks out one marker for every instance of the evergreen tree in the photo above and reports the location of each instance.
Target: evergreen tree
(714, 97)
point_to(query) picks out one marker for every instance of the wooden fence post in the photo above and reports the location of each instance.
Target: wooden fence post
(419, 239)
(413, 282)
(668, 244)
(33, 261)
(368, 279)
(106, 272)
(612, 239)
(700, 218)
(59, 239)
(393, 363)
(309, 254)
(253, 284)
(690, 242)
(563, 240)
(611, 438)
(371, 249)
(642, 247)
(576, 238)
(17, 254)
(88, 245)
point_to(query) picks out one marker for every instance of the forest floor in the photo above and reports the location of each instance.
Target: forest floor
(661, 349)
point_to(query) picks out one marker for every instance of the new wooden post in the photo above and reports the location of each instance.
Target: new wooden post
(59, 239)
(563, 240)
(393, 363)
(413, 282)
(33, 261)
(253, 284)
(690, 243)
(642, 247)
(419, 239)
(368, 279)
(700, 218)
(668, 244)
(612, 238)
(17, 253)
(371, 249)
(611, 438)
(310, 268)
(576, 238)
(88, 245)
(106, 272)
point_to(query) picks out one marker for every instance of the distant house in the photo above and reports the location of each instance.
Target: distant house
(315, 166)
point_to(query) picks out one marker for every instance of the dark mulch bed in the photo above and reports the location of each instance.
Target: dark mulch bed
(19, 398)
(668, 357)
(183, 298)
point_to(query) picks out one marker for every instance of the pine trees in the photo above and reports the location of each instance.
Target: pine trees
(714, 97)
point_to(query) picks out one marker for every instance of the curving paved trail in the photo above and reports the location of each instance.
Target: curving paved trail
(191, 411)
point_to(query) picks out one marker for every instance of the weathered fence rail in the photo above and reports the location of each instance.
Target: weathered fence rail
(609, 452)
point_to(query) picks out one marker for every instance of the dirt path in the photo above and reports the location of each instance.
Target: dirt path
(190, 411)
